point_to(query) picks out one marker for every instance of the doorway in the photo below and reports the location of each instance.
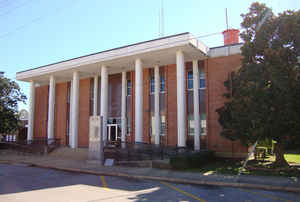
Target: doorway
(113, 129)
(113, 133)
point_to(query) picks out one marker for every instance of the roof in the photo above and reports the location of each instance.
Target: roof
(126, 46)
(157, 51)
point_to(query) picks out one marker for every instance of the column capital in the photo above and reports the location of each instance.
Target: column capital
(179, 52)
(75, 73)
(138, 60)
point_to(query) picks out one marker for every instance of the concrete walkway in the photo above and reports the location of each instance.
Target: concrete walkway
(79, 164)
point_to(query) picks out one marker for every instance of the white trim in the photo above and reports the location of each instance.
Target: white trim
(225, 50)
(105, 56)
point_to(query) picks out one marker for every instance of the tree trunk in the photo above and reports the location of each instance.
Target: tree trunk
(279, 155)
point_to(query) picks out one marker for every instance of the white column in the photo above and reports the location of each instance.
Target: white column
(104, 100)
(75, 109)
(181, 104)
(196, 105)
(70, 116)
(51, 105)
(95, 107)
(31, 111)
(138, 101)
(123, 108)
(156, 105)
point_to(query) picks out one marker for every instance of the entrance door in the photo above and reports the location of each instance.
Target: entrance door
(112, 131)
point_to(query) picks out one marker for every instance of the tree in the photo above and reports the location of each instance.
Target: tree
(264, 94)
(10, 95)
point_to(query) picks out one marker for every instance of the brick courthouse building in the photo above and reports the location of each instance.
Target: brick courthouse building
(163, 91)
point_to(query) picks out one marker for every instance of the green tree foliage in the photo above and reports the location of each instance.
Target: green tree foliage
(264, 94)
(10, 95)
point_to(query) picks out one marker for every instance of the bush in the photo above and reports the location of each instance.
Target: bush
(192, 160)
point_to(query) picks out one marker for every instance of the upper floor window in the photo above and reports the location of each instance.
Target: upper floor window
(152, 84)
(202, 79)
(162, 83)
(128, 87)
(190, 80)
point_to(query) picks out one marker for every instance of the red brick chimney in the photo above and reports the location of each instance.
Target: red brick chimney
(231, 36)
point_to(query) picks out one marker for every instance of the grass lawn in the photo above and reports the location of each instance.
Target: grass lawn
(232, 167)
(292, 158)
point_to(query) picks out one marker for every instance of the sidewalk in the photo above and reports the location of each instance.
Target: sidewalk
(81, 166)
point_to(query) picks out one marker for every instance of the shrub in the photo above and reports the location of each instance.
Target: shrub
(191, 160)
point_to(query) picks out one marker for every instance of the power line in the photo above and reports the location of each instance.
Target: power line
(34, 21)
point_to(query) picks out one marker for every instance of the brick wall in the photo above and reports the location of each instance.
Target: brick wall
(84, 112)
(114, 93)
(216, 69)
(171, 124)
(60, 119)
(41, 111)
(146, 105)
(217, 73)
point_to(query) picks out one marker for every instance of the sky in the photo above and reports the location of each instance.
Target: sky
(35, 32)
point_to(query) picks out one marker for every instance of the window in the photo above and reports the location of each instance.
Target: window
(203, 124)
(191, 124)
(128, 125)
(128, 87)
(202, 79)
(190, 80)
(152, 84)
(162, 108)
(162, 125)
(162, 83)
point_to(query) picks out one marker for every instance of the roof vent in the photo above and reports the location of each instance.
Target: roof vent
(231, 36)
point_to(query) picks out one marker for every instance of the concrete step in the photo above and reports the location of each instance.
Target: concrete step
(69, 153)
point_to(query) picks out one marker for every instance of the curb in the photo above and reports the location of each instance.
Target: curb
(172, 180)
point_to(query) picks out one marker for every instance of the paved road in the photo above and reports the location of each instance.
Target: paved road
(22, 183)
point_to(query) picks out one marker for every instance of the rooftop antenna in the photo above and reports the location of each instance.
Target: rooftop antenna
(161, 20)
(226, 18)
(228, 48)
(159, 32)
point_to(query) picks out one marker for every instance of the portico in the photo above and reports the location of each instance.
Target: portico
(130, 62)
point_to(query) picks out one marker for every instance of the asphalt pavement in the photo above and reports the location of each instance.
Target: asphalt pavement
(20, 182)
